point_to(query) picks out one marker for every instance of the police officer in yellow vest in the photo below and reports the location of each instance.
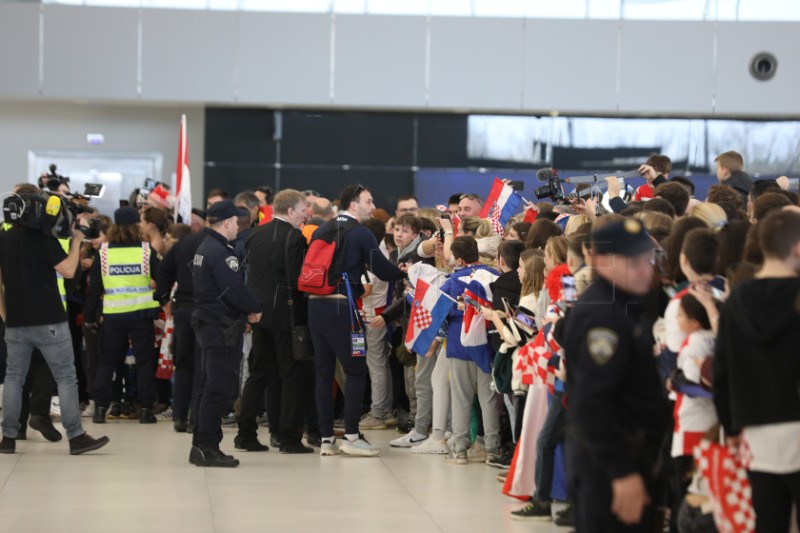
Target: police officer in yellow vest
(122, 275)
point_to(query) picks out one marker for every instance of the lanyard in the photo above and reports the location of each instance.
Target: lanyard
(353, 309)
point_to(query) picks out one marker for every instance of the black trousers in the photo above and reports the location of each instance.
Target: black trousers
(187, 351)
(329, 322)
(74, 309)
(38, 390)
(91, 338)
(116, 334)
(590, 488)
(272, 357)
(773, 497)
(218, 382)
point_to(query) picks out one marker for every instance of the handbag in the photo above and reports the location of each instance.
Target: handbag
(302, 348)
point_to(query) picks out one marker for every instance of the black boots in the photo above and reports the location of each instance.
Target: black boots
(147, 417)
(212, 458)
(180, 426)
(250, 445)
(99, 416)
(8, 445)
(85, 443)
(44, 425)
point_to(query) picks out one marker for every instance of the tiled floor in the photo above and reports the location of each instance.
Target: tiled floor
(142, 483)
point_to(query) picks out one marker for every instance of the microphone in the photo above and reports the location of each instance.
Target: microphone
(546, 174)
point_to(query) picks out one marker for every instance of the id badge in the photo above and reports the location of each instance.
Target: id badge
(358, 343)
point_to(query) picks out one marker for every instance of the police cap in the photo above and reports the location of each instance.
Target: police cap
(126, 216)
(626, 237)
(225, 209)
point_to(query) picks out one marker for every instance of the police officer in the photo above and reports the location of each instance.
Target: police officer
(223, 307)
(177, 267)
(122, 274)
(617, 412)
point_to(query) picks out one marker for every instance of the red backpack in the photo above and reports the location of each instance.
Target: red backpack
(322, 266)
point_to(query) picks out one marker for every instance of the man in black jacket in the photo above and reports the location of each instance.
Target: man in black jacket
(331, 321)
(275, 255)
(177, 267)
(757, 371)
(223, 305)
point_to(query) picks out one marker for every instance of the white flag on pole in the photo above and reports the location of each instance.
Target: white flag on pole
(183, 184)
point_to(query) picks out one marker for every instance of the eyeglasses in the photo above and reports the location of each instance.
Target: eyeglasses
(311, 192)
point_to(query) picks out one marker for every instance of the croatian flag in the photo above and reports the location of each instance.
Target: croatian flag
(429, 311)
(502, 204)
(474, 336)
(183, 188)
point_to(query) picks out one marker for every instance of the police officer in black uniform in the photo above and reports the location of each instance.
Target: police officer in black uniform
(223, 307)
(617, 411)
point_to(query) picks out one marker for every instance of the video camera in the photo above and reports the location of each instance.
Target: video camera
(52, 180)
(50, 213)
(555, 190)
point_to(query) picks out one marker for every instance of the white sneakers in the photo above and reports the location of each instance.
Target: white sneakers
(359, 447)
(431, 447)
(55, 407)
(88, 412)
(329, 449)
(409, 440)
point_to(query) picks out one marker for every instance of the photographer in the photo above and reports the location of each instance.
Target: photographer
(29, 262)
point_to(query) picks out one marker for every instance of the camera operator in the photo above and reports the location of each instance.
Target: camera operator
(37, 391)
(29, 261)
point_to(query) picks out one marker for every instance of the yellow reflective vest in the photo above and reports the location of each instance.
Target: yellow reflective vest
(126, 279)
(62, 289)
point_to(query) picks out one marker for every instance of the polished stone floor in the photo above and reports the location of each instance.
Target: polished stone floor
(142, 483)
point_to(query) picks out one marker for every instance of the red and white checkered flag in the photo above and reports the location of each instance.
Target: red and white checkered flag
(534, 358)
(729, 488)
(423, 318)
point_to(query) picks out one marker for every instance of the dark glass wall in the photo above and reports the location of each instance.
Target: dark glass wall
(326, 150)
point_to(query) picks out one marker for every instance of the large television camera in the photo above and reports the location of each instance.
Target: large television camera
(554, 188)
(49, 213)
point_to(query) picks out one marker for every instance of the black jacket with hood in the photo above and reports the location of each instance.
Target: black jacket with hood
(742, 183)
(757, 358)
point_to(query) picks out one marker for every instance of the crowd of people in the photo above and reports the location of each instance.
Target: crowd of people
(586, 352)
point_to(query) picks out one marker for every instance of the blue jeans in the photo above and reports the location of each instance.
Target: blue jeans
(55, 343)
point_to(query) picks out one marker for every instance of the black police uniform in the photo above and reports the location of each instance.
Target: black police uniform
(222, 303)
(617, 411)
(177, 267)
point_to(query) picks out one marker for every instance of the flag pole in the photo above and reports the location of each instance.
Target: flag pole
(413, 288)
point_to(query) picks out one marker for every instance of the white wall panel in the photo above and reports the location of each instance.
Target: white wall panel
(570, 65)
(737, 92)
(476, 63)
(188, 56)
(284, 58)
(386, 62)
(666, 70)
(90, 52)
(19, 49)
(379, 59)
